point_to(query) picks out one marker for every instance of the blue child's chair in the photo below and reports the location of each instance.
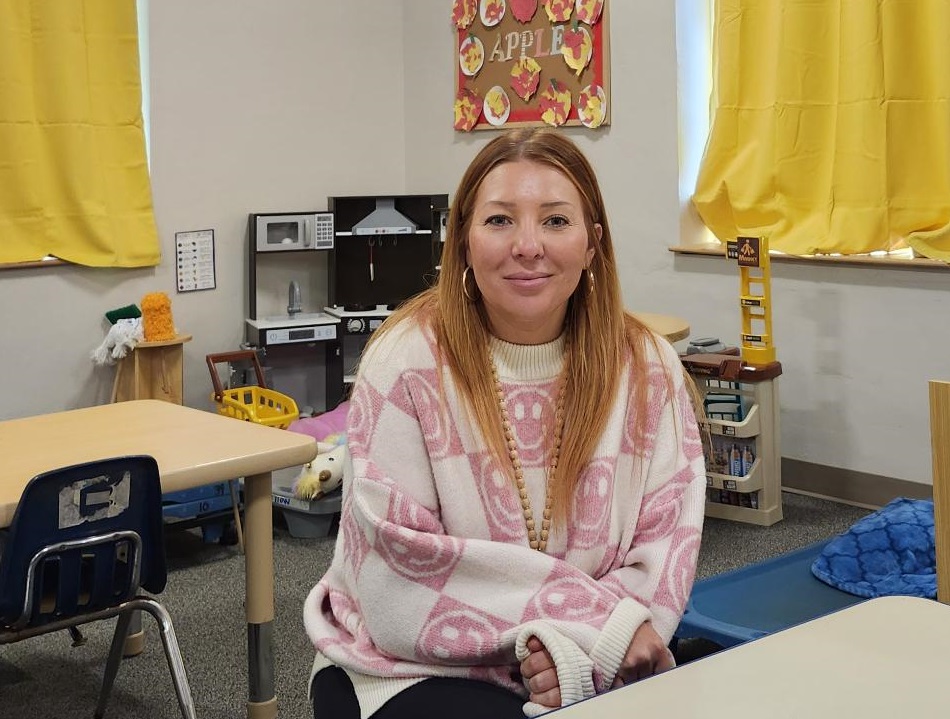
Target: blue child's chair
(83, 540)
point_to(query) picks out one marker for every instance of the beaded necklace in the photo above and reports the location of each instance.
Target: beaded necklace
(534, 540)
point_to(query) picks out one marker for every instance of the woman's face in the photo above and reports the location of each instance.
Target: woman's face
(527, 246)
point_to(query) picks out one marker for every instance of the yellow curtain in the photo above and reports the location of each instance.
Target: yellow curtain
(73, 174)
(831, 126)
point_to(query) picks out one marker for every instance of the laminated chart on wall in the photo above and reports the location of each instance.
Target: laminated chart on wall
(755, 297)
(194, 260)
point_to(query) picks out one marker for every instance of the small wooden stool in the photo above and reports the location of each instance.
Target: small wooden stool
(153, 370)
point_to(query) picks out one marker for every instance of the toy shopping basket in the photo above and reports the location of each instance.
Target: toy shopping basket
(252, 403)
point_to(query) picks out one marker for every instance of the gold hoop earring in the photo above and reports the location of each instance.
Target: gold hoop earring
(465, 291)
(590, 281)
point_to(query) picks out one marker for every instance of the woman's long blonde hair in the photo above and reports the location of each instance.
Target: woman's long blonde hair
(601, 335)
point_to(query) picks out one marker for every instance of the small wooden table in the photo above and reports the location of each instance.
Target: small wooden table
(192, 448)
(879, 659)
(151, 370)
(673, 328)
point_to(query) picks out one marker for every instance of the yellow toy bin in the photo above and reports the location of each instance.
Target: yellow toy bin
(252, 403)
(258, 404)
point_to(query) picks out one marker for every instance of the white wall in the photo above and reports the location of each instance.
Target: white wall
(249, 113)
(255, 107)
(857, 345)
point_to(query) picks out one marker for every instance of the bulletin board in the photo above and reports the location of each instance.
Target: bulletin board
(531, 62)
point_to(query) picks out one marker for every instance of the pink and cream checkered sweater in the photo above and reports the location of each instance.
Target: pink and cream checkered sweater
(432, 574)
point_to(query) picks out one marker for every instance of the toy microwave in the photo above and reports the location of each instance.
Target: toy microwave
(283, 232)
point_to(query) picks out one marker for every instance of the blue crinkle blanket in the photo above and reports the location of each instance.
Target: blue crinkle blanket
(888, 552)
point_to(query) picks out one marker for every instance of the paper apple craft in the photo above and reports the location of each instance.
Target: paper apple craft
(491, 12)
(589, 10)
(468, 108)
(463, 13)
(471, 56)
(577, 48)
(559, 10)
(497, 106)
(523, 10)
(592, 106)
(525, 76)
(555, 103)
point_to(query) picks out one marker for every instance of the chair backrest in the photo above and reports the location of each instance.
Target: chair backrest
(940, 449)
(81, 528)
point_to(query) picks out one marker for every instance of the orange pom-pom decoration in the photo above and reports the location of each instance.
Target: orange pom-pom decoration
(157, 324)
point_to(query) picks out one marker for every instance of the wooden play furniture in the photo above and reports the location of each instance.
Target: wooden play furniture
(153, 370)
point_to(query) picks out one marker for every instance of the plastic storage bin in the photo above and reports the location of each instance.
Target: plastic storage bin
(208, 506)
(307, 519)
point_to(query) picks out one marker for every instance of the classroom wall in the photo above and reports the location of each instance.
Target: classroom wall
(249, 114)
(857, 345)
(255, 107)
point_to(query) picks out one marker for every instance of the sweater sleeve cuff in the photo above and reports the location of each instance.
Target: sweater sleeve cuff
(573, 666)
(614, 640)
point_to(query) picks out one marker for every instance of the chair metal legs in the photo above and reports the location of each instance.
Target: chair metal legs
(112, 663)
(172, 654)
(77, 637)
(236, 509)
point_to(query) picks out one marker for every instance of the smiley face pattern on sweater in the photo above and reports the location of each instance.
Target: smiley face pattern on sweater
(433, 576)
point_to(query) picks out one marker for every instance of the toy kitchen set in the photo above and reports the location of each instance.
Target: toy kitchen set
(319, 283)
(287, 289)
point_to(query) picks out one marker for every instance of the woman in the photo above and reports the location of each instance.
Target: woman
(524, 501)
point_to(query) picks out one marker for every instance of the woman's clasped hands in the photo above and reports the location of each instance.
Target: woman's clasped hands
(647, 655)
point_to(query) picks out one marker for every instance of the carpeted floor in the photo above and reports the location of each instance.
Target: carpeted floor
(47, 677)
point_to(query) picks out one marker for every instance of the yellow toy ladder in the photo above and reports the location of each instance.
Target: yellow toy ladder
(755, 298)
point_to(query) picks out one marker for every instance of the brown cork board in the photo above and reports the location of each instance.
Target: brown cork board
(487, 49)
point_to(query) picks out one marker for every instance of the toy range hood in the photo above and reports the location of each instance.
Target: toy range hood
(385, 220)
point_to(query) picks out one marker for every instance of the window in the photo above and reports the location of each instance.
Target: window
(811, 205)
(74, 179)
